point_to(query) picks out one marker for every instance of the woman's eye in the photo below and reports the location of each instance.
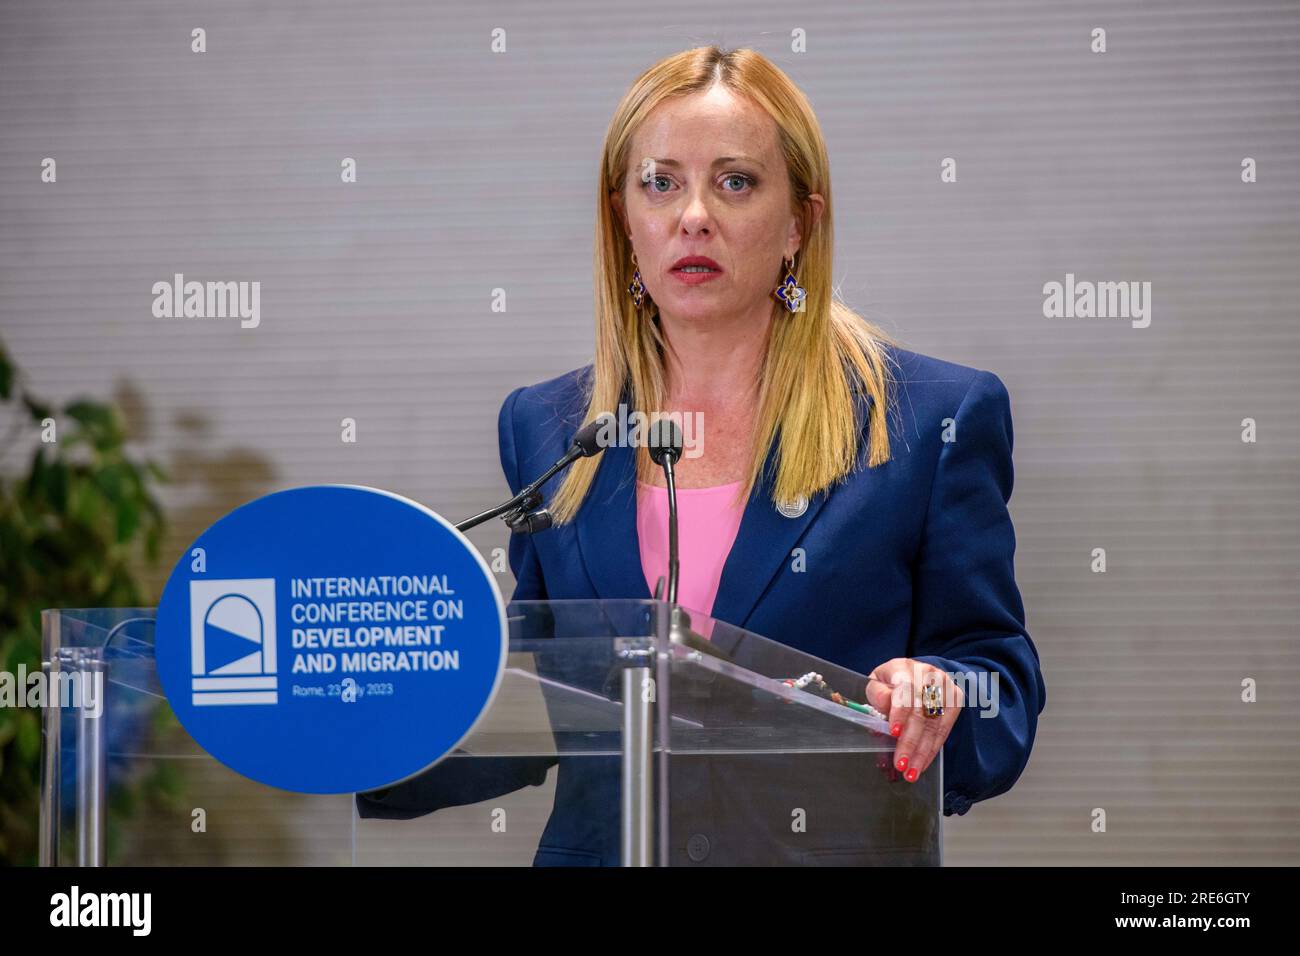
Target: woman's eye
(735, 182)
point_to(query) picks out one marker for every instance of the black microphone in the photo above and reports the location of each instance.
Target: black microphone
(665, 451)
(585, 444)
(665, 440)
(532, 522)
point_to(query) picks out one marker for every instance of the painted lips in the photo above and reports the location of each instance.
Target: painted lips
(693, 270)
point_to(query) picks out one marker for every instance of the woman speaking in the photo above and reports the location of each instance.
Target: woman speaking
(889, 471)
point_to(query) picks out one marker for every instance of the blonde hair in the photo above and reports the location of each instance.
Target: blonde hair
(814, 361)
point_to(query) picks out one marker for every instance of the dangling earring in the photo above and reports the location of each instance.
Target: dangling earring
(636, 288)
(789, 291)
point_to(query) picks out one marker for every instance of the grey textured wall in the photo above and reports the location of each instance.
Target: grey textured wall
(475, 172)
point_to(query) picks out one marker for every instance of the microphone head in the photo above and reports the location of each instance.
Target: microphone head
(539, 520)
(586, 439)
(665, 441)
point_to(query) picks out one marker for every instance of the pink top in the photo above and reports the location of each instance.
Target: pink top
(707, 524)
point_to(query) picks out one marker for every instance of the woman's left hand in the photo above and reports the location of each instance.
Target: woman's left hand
(894, 688)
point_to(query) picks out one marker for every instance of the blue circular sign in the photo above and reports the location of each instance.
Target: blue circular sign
(330, 639)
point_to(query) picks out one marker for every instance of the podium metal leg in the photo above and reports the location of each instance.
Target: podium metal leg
(637, 844)
(52, 739)
(91, 769)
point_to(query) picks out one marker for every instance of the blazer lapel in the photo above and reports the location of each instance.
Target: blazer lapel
(611, 551)
(763, 545)
(765, 541)
(606, 523)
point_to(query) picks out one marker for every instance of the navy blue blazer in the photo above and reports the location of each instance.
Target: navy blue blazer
(913, 558)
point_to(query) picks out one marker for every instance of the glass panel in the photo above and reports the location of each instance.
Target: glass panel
(741, 767)
(540, 779)
(761, 772)
(165, 801)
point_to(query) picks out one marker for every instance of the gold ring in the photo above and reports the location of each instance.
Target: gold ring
(932, 700)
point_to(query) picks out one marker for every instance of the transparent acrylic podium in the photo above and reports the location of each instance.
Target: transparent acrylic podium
(619, 735)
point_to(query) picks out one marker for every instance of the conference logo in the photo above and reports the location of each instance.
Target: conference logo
(232, 642)
(331, 639)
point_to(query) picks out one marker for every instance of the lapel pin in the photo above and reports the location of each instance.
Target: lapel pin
(794, 508)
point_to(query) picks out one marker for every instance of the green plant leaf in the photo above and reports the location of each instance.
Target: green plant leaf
(73, 531)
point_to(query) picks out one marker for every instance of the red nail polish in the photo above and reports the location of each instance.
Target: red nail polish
(896, 729)
(901, 763)
(911, 775)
